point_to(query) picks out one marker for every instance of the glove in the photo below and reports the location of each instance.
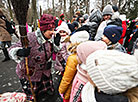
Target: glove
(25, 52)
(57, 39)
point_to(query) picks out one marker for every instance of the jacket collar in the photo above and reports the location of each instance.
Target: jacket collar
(40, 38)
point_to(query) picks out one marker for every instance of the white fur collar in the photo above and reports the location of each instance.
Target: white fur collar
(40, 37)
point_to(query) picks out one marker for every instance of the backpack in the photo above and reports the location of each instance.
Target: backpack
(9, 26)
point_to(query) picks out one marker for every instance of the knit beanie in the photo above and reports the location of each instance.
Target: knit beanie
(113, 33)
(112, 71)
(86, 48)
(79, 37)
(47, 22)
(63, 27)
(108, 10)
(71, 27)
(75, 23)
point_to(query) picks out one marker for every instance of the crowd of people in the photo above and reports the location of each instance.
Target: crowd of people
(95, 54)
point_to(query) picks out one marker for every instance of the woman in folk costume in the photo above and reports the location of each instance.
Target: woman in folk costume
(83, 50)
(61, 56)
(113, 78)
(71, 64)
(39, 55)
(111, 36)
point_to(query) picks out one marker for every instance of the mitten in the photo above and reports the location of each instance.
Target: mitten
(25, 52)
(57, 39)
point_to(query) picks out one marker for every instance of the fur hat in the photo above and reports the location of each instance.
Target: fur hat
(86, 48)
(108, 10)
(113, 33)
(112, 71)
(47, 22)
(79, 37)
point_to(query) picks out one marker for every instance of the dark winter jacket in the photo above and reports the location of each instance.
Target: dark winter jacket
(102, 97)
(93, 23)
(132, 43)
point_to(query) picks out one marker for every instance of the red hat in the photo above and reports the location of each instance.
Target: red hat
(47, 22)
(61, 15)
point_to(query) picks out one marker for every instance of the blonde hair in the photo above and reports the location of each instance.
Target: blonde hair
(73, 47)
(132, 94)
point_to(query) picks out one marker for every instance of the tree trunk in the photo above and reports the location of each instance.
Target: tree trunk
(64, 6)
(40, 11)
(119, 4)
(71, 10)
(34, 14)
(87, 6)
(102, 5)
(10, 9)
(53, 4)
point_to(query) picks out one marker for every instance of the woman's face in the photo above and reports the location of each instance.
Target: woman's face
(48, 34)
(105, 39)
(106, 17)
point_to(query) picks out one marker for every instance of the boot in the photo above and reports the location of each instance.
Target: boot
(6, 55)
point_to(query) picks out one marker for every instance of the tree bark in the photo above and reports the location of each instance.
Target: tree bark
(10, 9)
(34, 14)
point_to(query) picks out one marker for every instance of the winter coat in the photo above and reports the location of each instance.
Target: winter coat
(124, 26)
(79, 81)
(100, 30)
(92, 24)
(67, 79)
(4, 35)
(61, 56)
(37, 62)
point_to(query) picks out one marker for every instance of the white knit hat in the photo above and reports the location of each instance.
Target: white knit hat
(63, 27)
(112, 71)
(79, 37)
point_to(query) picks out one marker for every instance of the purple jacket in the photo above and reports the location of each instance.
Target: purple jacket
(36, 59)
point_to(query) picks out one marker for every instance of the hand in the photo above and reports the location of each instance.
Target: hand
(25, 52)
(57, 39)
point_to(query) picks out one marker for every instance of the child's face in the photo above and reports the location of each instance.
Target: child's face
(106, 17)
(63, 33)
(105, 39)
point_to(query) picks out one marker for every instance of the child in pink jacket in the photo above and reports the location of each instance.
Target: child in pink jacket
(83, 51)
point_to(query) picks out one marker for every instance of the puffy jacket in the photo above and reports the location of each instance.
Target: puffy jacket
(93, 23)
(70, 72)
